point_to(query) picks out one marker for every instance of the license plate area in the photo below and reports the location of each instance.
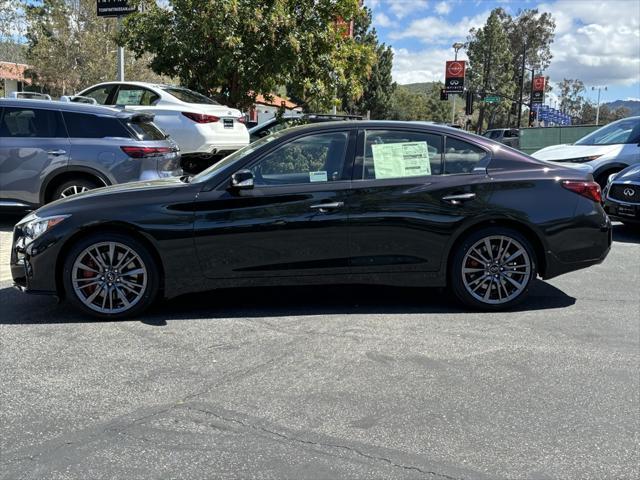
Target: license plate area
(626, 211)
(227, 122)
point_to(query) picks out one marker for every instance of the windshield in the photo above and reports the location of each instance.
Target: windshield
(188, 96)
(234, 157)
(622, 131)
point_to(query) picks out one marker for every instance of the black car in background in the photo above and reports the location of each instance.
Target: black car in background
(330, 203)
(622, 196)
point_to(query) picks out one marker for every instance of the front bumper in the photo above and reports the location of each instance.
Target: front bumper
(623, 212)
(33, 266)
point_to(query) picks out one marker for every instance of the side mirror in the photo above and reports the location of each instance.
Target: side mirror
(242, 180)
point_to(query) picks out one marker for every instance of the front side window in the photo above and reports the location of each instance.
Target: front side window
(310, 159)
(83, 125)
(401, 154)
(31, 123)
(461, 157)
(100, 94)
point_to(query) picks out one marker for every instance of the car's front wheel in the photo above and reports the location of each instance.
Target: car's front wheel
(492, 269)
(110, 276)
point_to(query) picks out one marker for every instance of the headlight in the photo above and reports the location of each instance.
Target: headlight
(34, 226)
(582, 159)
(611, 177)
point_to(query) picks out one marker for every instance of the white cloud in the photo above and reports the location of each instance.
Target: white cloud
(372, 4)
(423, 66)
(437, 30)
(597, 42)
(632, 99)
(443, 8)
(382, 20)
(401, 8)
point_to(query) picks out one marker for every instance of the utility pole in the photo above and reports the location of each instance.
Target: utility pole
(456, 46)
(120, 54)
(524, 56)
(533, 73)
(599, 88)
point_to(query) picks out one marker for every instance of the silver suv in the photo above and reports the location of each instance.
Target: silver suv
(50, 150)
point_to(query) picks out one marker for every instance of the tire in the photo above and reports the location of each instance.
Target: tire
(478, 287)
(73, 186)
(96, 284)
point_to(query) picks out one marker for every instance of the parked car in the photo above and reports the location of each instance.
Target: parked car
(508, 136)
(340, 202)
(608, 150)
(50, 150)
(622, 196)
(276, 124)
(198, 124)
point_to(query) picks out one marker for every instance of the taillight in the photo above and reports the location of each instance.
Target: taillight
(142, 152)
(241, 119)
(591, 190)
(201, 117)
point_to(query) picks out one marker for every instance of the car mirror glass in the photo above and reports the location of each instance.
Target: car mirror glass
(242, 180)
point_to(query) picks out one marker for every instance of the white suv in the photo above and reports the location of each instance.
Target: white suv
(198, 124)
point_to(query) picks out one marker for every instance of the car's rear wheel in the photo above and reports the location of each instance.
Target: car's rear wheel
(492, 269)
(72, 187)
(110, 276)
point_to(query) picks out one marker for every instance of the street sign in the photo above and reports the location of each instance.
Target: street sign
(454, 76)
(537, 94)
(492, 99)
(443, 94)
(114, 8)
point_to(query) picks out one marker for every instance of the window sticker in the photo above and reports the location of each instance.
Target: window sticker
(317, 176)
(396, 160)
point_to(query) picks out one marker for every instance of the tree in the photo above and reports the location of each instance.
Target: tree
(490, 60)
(70, 48)
(571, 98)
(11, 30)
(237, 49)
(423, 105)
(379, 86)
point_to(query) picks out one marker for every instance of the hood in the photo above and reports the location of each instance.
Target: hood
(629, 174)
(566, 152)
(122, 192)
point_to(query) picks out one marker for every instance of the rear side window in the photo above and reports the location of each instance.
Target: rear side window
(146, 130)
(461, 157)
(401, 154)
(84, 125)
(133, 95)
(31, 123)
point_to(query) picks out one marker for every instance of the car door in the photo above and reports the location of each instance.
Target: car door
(293, 222)
(411, 190)
(33, 144)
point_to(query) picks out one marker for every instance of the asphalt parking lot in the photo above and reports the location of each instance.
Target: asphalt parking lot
(324, 383)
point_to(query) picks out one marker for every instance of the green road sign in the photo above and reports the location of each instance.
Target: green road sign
(492, 99)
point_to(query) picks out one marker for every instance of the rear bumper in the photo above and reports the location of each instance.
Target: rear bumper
(592, 248)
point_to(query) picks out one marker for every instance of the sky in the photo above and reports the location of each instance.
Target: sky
(596, 41)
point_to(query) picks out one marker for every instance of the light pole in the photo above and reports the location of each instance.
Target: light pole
(456, 46)
(599, 88)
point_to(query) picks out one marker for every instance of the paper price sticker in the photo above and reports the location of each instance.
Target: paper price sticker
(397, 160)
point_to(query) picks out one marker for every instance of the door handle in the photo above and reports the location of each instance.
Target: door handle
(459, 198)
(56, 152)
(325, 207)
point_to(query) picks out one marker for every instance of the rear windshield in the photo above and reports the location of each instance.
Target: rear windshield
(146, 130)
(188, 96)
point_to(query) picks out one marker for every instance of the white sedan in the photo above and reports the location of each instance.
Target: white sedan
(198, 124)
(607, 150)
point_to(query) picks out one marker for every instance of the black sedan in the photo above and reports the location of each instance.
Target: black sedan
(345, 202)
(622, 196)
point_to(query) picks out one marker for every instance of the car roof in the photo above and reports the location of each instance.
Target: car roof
(139, 84)
(66, 107)
(434, 127)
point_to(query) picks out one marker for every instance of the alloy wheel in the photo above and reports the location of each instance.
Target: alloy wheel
(109, 277)
(496, 269)
(73, 189)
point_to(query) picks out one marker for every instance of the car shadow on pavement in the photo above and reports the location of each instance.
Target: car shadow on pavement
(18, 308)
(626, 233)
